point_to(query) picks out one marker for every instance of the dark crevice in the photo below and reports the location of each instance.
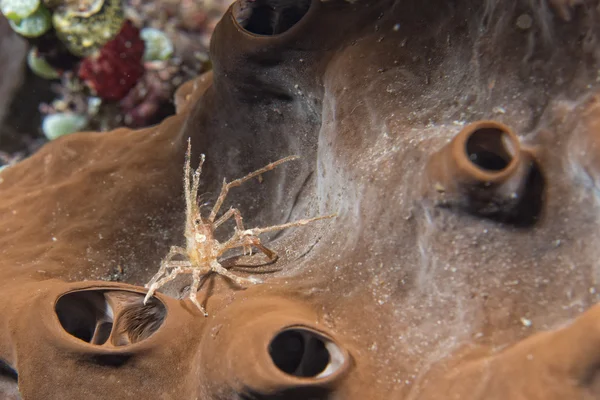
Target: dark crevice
(88, 316)
(488, 149)
(296, 200)
(529, 209)
(110, 360)
(102, 333)
(270, 17)
(7, 371)
(79, 313)
(299, 393)
(9, 382)
(523, 214)
(300, 353)
(287, 350)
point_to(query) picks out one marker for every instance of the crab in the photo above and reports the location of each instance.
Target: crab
(203, 251)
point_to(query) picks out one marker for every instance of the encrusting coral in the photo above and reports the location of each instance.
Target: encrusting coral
(117, 67)
(85, 26)
(79, 36)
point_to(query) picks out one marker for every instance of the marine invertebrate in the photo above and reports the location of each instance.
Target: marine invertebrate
(430, 301)
(157, 43)
(202, 248)
(484, 170)
(40, 66)
(265, 17)
(33, 25)
(108, 317)
(148, 101)
(118, 65)
(284, 347)
(59, 124)
(18, 9)
(85, 26)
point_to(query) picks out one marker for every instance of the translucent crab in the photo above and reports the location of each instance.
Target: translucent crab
(202, 252)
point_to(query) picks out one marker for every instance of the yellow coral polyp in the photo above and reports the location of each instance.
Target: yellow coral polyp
(84, 31)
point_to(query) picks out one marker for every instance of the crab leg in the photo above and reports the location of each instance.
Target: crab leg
(191, 190)
(250, 241)
(268, 252)
(182, 268)
(258, 231)
(174, 250)
(219, 269)
(238, 222)
(232, 212)
(166, 263)
(194, 292)
(226, 186)
(186, 175)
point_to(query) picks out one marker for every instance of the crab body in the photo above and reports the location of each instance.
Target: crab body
(201, 244)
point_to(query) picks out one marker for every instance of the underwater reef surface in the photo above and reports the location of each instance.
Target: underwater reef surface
(84, 70)
(457, 143)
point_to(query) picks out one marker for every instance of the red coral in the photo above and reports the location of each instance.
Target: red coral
(146, 103)
(117, 67)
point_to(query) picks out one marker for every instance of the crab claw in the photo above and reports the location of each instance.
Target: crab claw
(150, 293)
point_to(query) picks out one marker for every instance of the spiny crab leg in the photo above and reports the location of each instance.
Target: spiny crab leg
(226, 186)
(232, 212)
(238, 222)
(258, 231)
(194, 291)
(249, 237)
(191, 193)
(219, 269)
(202, 252)
(180, 268)
(167, 263)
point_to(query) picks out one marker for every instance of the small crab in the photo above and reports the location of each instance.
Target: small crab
(202, 250)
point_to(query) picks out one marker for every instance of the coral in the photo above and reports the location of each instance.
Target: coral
(84, 27)
(59, 124)
(151, 99)
(118, 65)
(166, 66)
(484, 171)
(17, 10)
(422, 124)
(40, 66)
(143, 104)
(33, 25)
(158, 45)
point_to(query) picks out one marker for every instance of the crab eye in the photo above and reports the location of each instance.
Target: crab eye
(198, 221)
